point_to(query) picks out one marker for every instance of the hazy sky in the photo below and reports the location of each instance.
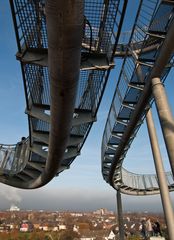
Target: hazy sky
(82, 186)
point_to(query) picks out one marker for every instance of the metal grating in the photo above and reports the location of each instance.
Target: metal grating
(31, 23)
(37, 82)
(90, 85)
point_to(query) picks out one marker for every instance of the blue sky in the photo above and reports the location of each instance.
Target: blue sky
(82, 186)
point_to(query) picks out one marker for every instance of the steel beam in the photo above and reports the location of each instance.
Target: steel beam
(163, 186)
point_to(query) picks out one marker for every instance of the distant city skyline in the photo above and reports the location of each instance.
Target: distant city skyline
(99, 224)
(82, 186)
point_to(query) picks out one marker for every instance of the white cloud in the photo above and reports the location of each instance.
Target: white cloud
(9, 194)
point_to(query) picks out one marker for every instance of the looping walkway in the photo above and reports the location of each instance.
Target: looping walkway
(66, 52)
(154, 22)
(61, 106)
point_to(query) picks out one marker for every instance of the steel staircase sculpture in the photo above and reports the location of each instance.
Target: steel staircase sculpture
(142, 60)
(66, 54)
(58, 128)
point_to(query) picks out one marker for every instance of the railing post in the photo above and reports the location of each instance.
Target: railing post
(165, 117)
(120, 216)
(163, 186)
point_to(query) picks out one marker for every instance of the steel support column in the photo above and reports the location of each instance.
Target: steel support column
(120, 216)
(165, 117)
(165, 197)
(65, 21)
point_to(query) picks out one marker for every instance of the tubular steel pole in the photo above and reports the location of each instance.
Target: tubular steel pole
(165, 117)
(164, 191)
(65, 20)
(120, 215)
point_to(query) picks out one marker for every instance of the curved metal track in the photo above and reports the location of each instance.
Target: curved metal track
(149, 54)
(57, 43)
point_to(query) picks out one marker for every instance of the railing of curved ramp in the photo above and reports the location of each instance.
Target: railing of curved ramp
(7, 153)
(142, 184)
(153, 23)
(101, 29)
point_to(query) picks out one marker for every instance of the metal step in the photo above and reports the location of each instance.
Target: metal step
(38, 150)
(23, 177)
(108, 159)
(37, 166)
(71, 152)
(74, 140)
(80, 116)
(40, 57)
(30, 173)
